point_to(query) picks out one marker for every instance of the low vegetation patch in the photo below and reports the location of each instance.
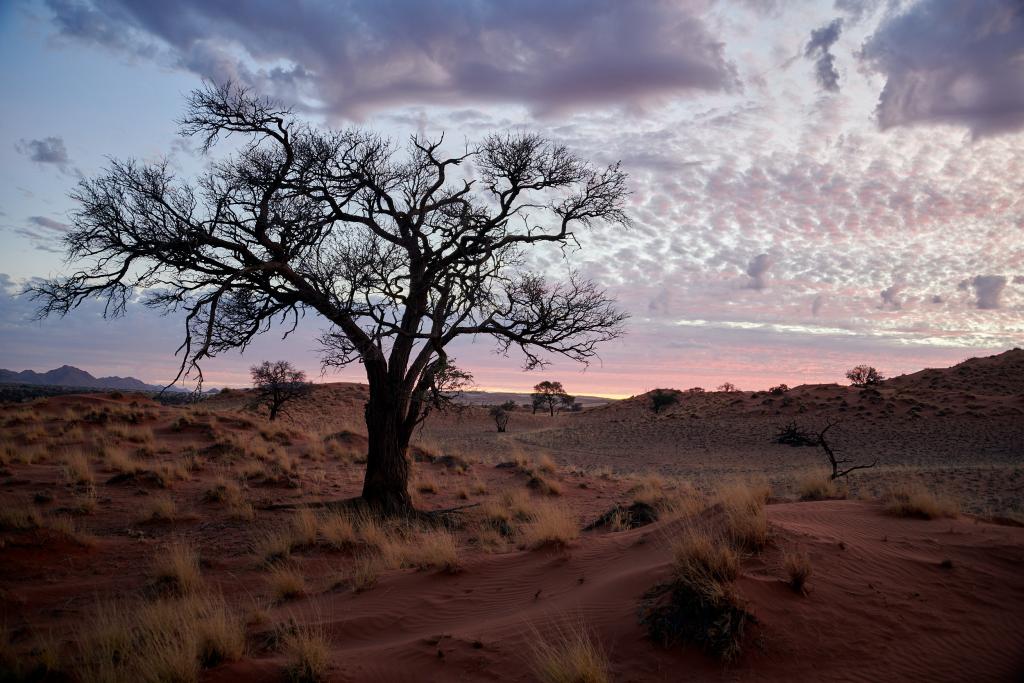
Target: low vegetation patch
(797, 564)
(175, 570)
(817, 485)
(551, 524)
(571, 655)
(745, 520)
(167, 640)
(307, 649)
(913, 499)
(698, 604)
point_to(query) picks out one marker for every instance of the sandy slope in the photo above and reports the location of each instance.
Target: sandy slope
(880, 607)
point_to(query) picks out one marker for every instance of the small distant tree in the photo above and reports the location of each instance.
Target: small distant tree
(548, 395)
(277, 384)
(864, 376)
(567, 402)
(502, 413)
(695, 390)
(778, 389)
(727, 387)
(663, 398)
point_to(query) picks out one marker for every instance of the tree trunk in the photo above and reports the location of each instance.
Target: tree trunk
(386, 484)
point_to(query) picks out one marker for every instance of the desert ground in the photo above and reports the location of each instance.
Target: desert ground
(140, 541)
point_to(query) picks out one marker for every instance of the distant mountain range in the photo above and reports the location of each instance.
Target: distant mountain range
(69, 376)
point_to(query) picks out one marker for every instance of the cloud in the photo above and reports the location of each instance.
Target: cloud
(44, 233)
(951, 62)
(758, 269)
(50, 150)
(891, 297)
(988, 289)
(1018, 279)
(350, 58)
(816, 305)
(819, 49)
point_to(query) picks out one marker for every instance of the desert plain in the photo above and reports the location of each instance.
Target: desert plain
(141, 541)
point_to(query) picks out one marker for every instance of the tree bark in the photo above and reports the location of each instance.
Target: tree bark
(386, 483)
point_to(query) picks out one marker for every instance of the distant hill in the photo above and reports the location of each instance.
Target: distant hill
(497, 397)
(70, 376)
(999, 375)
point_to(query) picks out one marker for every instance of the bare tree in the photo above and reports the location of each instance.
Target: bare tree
(277, 384)
(838, 465)
(502, 413)
(864, 376)
(727, 387)
(398, 252)
(548, 395)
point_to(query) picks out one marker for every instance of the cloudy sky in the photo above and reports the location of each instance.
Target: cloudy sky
(814, 184)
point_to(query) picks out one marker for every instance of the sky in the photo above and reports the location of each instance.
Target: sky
(814, 185)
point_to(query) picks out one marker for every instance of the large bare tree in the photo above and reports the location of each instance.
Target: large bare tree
(400, 249)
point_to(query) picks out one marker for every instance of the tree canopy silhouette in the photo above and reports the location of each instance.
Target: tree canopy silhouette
(399, 250)
(277, 384)
(549, 394)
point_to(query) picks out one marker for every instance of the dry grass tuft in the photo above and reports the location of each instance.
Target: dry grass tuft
(798, 569)
(545, 485)
(168, 640)
(551, 524)
(175, 570)
(273, 545)
(425, 483)
(745, 518)
(546, 464)
(816, 485)
(434, 549)
(913, 499)
(303, 528)
(338, 530)
(703, 560)
(159, 508)
(571, 655)
(365, 571)
(286, 583)
(223, 491)
(307, 649)
(76, 468)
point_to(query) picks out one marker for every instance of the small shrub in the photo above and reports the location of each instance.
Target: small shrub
(698, 604)
(798, 569)
(663, 398)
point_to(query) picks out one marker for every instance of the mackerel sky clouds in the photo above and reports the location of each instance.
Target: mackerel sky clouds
(815, 184)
